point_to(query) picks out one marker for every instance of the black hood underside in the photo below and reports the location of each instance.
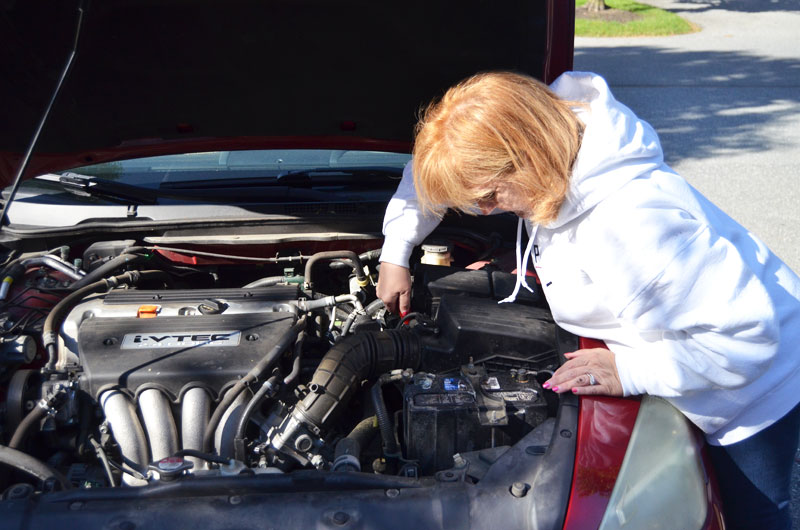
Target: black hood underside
(151, 73)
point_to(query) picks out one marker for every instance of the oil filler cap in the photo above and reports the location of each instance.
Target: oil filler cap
(212, 307)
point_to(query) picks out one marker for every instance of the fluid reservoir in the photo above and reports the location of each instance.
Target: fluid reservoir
(437, 252)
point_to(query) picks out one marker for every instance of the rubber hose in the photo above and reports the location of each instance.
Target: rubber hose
(347, 455)
(270, 385)
(349, 255)
(25, 427)
(365, 256)
(108, 267)
(32, 466)
(354, 359)
(265, 282)
(55, 264)
(298, 359)
(263, 365)
(364, 431)
(348, 323)
(385, 423)
(86, 417)
(374, 306)
(53, 321)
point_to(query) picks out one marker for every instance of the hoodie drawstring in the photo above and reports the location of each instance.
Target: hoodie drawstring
(522, 263)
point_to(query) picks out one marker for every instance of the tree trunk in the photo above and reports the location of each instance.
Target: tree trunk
(596, 5)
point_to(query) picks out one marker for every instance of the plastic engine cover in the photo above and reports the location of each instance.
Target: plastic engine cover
(169, 353)
(181, 347)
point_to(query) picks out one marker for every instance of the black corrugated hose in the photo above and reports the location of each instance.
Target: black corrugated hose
(364, 356)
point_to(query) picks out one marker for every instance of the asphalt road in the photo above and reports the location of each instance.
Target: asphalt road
(726, 104)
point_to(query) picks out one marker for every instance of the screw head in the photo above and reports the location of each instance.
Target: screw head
(519, 489)
(392, 493)
(340, 518)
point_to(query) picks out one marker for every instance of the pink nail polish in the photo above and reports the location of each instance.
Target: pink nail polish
(555, 389)
(574, 390)
(546, 385)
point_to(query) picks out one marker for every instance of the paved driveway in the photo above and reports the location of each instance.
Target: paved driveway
(726, 103)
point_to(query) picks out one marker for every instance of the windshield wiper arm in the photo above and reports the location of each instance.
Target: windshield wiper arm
(347, 174)
(298, 178)
(86, 186)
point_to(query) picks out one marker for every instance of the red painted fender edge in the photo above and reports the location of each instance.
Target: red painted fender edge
(605, 425)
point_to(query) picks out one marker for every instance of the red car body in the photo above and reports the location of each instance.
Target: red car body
(150, 80)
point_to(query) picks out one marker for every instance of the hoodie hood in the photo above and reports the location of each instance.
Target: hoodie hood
(616, 148)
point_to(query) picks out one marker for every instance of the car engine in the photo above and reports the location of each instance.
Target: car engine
(126, 363)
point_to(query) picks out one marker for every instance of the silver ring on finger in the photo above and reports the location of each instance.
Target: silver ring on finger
(592, 380)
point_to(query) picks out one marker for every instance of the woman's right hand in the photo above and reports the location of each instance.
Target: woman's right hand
(394, 287)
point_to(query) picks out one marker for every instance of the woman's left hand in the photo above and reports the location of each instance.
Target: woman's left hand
(592, 371)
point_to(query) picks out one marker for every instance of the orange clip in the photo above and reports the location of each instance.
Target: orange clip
(148, 311)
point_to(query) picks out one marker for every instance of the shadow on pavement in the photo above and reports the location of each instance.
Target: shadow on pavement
(701, 103)
(744, 6)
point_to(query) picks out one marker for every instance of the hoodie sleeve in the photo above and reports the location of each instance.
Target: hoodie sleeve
(404, 224)
(708, 319)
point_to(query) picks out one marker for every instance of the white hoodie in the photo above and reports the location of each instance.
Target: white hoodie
(695, 308)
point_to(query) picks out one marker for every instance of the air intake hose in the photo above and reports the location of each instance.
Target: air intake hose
(364, 356)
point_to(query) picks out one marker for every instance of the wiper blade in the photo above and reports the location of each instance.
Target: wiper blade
(300, 178)
(86, 186)
(127, 194)
(345, 174)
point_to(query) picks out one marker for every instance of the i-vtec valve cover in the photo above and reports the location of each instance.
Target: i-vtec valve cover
(180, 342)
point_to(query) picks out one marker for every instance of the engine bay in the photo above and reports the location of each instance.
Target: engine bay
(126, 364)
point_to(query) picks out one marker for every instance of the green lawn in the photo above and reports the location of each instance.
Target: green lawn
(653, 21)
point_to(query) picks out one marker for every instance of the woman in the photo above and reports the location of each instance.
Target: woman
(693, 307)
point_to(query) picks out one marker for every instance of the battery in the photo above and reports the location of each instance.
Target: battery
(468, 411)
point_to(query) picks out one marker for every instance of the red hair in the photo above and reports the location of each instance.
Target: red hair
(491, 127)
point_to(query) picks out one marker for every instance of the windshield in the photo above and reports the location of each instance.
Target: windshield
(156, 170)
(234, 183)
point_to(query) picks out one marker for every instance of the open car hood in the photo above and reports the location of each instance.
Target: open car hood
(168, 77)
